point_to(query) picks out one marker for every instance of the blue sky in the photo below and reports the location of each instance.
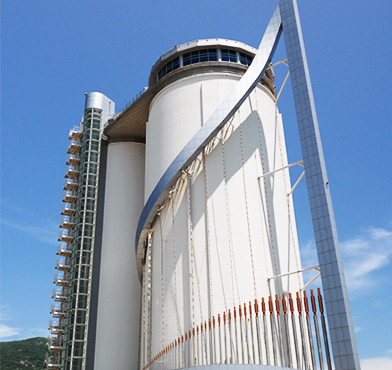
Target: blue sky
(53, 52)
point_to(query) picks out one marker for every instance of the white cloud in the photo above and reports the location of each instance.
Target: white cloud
(13, 207)
(357, 329)
(309, 259)
(380, 233)
(309, 255)
(31, 333)
(37, 332)
(28, 221)
(46, 235)
(379, 363)
(7, 331)
(362, 257)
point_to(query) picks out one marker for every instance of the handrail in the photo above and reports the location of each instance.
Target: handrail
(73, 142)
(64, 248)
(72, 157)
(134, 98)
(75, 129)
(57, 342)
(70, 181)
(66, 207)
(68, 193)
(52, 360)
(60, 292)
(56, 310)
(64, 233)
(71, 168)
(62, 262)
(65, 221)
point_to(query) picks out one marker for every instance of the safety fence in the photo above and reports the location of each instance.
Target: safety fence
(277, 332)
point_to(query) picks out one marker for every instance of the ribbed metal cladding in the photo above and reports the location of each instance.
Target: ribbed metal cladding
(79, 287)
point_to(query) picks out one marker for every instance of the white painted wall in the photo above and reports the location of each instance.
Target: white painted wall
(118, 323)
(239, 241)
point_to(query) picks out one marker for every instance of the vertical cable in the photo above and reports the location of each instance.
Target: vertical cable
(162, 286)
(209, 270)
(297, 259)
(301, 327)
(309, 331)
(174, 263)
(294, 330)
(317, 331)
(246, 206)
(192, 249)
(228, 219)
(324, 326)
(251, 333)
(267, 205)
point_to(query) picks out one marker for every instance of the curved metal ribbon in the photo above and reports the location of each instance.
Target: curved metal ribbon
(210, 129)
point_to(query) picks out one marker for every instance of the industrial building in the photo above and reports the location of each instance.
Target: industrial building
(179, 244)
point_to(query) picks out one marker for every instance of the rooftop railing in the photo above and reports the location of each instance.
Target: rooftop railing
(55, 326)
(75, 129)
(72, 160)
(73, 147)
(67, 209)
(54, 343)
(70, 185)
(64, 236)
(136, 97)
(71, 172)
(58, 292)
(63, 249)
(60, 280)
(69, 197)
(55, 310)
(62, 264)
(52, 362)
(66, 223)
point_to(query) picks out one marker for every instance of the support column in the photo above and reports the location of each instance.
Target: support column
(334, 284)
(118, 317)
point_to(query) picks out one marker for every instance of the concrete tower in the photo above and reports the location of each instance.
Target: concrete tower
(179, 245)
(225, 228)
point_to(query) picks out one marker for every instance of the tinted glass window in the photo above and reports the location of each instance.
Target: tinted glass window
(245, 59)
(204, 55)
(229, 55)
(169, 67)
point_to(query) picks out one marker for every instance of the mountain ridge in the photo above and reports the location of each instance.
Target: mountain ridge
(26, 354)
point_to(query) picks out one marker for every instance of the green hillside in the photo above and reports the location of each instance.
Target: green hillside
(23, 354)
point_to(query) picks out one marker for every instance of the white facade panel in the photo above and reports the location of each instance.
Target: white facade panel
(119, 289)
(176, 114)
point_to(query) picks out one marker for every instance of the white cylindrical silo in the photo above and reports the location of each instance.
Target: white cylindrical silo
(118, 317)
(226, 231)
